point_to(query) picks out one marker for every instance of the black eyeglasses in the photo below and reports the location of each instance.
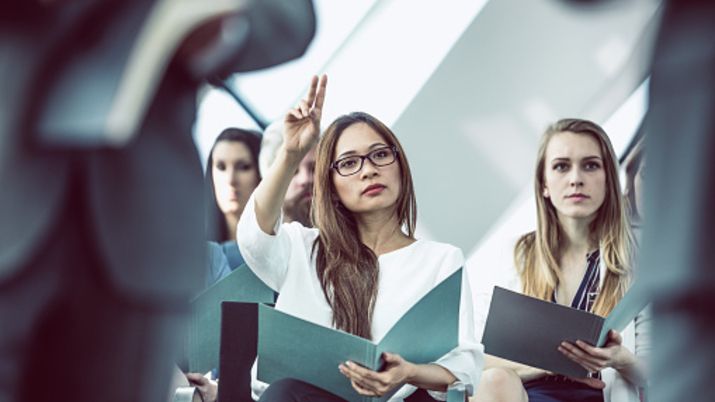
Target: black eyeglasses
(352, 164)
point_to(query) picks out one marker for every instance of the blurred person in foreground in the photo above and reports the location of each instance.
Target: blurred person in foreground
(101, 214)
(678, 253)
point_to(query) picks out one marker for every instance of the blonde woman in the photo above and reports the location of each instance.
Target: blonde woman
(360, 268)
(580, 255)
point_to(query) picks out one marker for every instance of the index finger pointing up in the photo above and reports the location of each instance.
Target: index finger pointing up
(320, 96)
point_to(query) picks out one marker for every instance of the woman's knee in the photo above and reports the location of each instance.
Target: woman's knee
(500, 378)
(499, 384)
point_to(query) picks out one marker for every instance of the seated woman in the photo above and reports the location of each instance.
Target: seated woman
(231, 176)
(580, 255)
(361, 268)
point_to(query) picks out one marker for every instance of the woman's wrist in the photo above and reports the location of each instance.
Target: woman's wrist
(412, 372)
(626, 361)
(632, 369)
(430, 376)
(290, 159)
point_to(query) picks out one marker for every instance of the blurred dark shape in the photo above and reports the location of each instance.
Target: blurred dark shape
(99, 83)
(240, 321)
(101, 201)
(678, 249)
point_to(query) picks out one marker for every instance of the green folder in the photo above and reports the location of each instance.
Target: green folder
(529, 330)
(289, 347)
(241, 285)
(632, 303)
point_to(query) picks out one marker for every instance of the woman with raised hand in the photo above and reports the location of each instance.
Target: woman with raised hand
(361, 268)
(580, 255)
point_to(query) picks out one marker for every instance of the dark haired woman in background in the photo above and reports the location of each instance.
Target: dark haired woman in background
(231, 176)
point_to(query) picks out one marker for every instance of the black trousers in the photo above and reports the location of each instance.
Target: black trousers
(67, 335)
(561, 389)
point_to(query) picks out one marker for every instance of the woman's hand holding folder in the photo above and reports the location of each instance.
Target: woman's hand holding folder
(612, 354)
(395, 373)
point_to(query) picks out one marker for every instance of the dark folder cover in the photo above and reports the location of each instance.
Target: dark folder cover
(241, 285)
(289, 347)
(528, 330)
(239, 339)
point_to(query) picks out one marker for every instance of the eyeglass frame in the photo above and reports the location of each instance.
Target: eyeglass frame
(395, 152)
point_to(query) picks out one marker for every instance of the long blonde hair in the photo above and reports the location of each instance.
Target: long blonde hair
(536, 253)
(347, 268)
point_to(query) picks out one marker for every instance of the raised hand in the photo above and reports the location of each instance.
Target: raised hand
(302, 123)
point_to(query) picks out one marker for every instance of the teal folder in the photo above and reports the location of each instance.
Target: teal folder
(241, 285)
(529, 330)
(289, 347)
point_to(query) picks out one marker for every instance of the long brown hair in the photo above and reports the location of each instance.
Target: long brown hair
(536, 253)
(347, 268)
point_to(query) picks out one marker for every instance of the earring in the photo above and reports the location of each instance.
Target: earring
(546, 193)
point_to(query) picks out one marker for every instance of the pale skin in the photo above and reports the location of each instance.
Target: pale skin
(378, 226)
(575, 184)
(301, 131)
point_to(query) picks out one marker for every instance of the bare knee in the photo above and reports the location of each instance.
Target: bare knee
(500, 377)
(500, 385)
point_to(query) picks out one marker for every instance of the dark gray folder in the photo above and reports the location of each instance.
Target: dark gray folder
(289, 347)
(529, 330)
(241, 285)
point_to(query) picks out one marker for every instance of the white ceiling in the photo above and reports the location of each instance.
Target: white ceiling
(471, 132)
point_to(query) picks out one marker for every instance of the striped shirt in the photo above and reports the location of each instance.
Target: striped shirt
(589, 287)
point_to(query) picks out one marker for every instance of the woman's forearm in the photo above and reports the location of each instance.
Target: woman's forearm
(270, 193)
(431, 376)
(634, 371)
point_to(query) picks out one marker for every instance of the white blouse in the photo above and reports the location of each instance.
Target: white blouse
(285, 262)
